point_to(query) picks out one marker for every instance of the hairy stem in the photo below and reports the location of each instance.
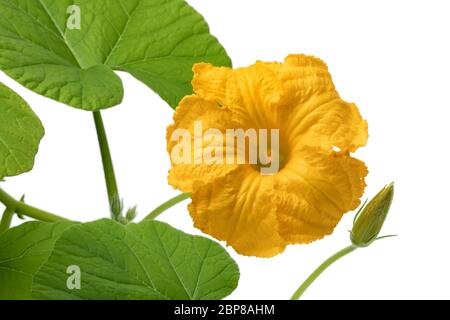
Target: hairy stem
(108, 168)
(305, 285)
(166, 205)
(27, 210)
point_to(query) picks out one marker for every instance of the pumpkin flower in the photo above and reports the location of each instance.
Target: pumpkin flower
(316, 181)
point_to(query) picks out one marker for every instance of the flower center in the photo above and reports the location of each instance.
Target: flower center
(271, 154)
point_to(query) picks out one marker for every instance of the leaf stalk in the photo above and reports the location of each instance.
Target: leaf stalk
(166, 205)
(21, 208)
(115, 202)
(316, 273)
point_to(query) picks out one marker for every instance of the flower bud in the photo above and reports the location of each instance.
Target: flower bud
(116, 208)
(131, 214)
(370, 218)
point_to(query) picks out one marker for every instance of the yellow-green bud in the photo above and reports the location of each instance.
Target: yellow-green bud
(370, 218)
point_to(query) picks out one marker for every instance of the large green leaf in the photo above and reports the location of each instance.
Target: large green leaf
(22, 251)
(149, 260)
(20, 134)
(157, 41)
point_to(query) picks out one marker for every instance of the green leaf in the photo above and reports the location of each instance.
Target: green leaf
(22, 251)
(156, 41)
(149, 260)
(20, 134)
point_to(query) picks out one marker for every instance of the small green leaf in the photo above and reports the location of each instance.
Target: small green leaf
(20, 134)
(149, 260)
(131, 214)
(22, 251)
(69, 54)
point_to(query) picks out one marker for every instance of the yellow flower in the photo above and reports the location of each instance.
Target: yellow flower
(318, 181)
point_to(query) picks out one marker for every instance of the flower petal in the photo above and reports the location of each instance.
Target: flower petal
(305, 76)
(326, 121)
(192, 112)
(214, 83)
(237, 208)
(315, 114)
(314, 190)
(252, 93)
(260, 94)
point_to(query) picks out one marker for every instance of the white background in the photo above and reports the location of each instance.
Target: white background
(392, 58)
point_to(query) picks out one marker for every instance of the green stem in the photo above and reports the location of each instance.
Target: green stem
(7, 217)
(305, 285)
(26, 210)
(166, 205)
(108, 168)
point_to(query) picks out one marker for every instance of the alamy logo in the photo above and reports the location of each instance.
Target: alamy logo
(259, 147)
(74, 280)
(74, 19)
